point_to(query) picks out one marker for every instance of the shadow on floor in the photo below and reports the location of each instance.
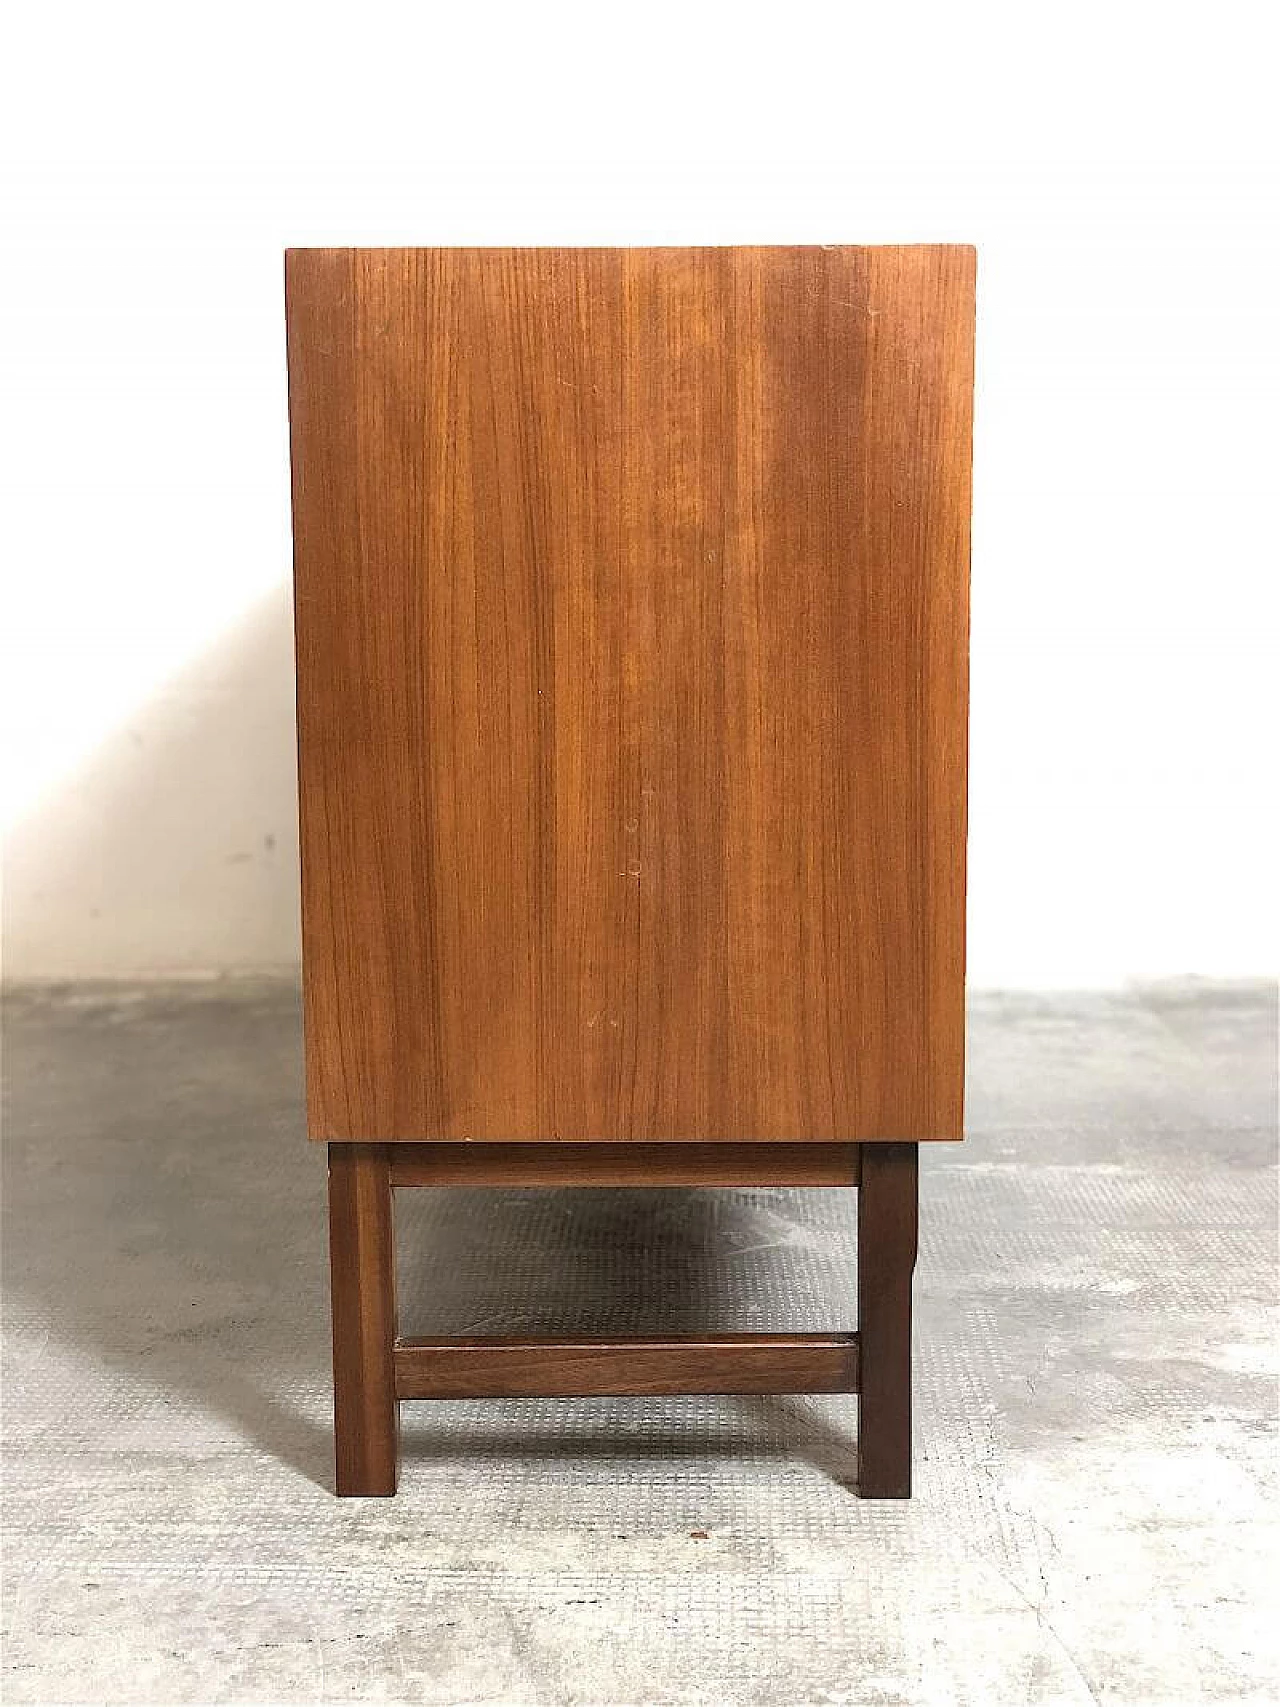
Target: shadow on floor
(165, 1219)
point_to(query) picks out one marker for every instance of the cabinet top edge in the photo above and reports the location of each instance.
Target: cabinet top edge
(969, 249)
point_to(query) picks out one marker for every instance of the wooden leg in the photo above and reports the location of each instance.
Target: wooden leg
(363, 1285)
(887, 1218)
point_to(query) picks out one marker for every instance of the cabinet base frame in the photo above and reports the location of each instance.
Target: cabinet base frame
(373, 1369)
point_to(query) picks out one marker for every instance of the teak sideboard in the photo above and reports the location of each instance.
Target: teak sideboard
(632, 640)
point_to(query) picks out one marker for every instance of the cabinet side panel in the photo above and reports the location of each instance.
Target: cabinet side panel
(948, 314)
(632, 593)
(846, 650)
(910, 673)
(320, 300)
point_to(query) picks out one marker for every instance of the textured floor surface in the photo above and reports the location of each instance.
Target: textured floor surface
(1095, 1392)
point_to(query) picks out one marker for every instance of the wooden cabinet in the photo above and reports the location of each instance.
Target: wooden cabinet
(632, 618)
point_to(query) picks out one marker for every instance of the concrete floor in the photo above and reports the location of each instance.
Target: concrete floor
(1095, 1438)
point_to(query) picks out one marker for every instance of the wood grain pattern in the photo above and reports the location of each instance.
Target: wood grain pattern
(632, 598)
(598, 1366)
(363, 1289)
(424, 1164)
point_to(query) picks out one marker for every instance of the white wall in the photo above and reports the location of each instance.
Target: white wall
(1111, 162)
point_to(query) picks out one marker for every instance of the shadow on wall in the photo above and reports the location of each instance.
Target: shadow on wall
(174, 846)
